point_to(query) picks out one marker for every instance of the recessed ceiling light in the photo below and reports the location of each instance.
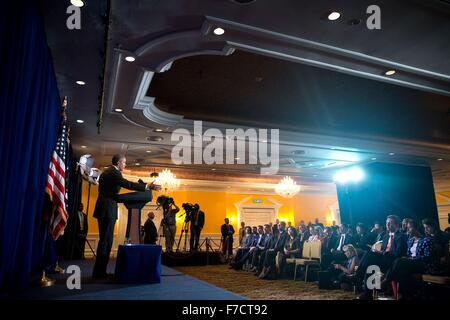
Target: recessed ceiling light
(84, 147)
(118, 110)
(77, 3)
(80, 82)
(237, 158)
(155, 138)
(334, 16)
(264, 141)
(219, 31)
(373, 158)
(138, 164)
(158, 130)
(439, 159)
(390, 72)
(148, 151)
(213, 169)
(80, 121)
(391, 153)
(130, 58)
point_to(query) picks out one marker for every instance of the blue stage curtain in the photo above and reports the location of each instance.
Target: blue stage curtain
(29, 123)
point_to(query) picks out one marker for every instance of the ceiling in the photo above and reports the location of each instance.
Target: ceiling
(282, 66)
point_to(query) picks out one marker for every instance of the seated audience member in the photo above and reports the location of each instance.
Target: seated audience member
(394, 246)
(440, 244)
(362, 238)
(258, 240)
(376, 233)
(341, 271)
(405, 225)
(292, 249)
(320, 235)
(329, 241)
(247, 241)
(344, 239)
(270, 254)
(420, 260)
(313, 236)
(317, 223)
(336, 254)
(275, 228)
(257, 254)
(303, 233)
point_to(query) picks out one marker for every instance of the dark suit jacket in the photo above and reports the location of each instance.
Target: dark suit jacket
(200, 219)
(348, 240)
(281, 241)
(110, 182)
(224, 231)
(151, 234)
(400, 246)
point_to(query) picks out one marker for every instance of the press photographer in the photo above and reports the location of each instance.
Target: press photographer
(197, 219)
(169, 223)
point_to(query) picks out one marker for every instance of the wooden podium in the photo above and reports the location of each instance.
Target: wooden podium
(134, 202)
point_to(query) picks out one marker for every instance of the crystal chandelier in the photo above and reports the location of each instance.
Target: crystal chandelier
(167, 180)
(287, 188)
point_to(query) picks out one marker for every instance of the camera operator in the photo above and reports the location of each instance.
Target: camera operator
(197, 223)
(170, 209)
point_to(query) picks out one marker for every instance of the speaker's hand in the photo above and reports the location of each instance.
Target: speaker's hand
(153, 186)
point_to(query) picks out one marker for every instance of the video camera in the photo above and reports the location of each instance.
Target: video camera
(164, 202)
(190, 209)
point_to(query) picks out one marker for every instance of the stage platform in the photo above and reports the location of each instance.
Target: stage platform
(174, 286)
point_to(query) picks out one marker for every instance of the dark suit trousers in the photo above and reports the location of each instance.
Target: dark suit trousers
(269, 259)
(383, 261)
(195, 237)
(404, 268)
(106, 231)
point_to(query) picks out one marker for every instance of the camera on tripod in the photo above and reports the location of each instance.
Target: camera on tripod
(164, 202)
(190, 210)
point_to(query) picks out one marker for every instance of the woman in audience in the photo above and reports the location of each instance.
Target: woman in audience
(342, 271)
(292, 249)
(313, 236)
(421, 259)
(320, 234)
(440, 242)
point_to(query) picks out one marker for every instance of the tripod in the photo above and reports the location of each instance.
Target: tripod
(184, 231)
(161, 231)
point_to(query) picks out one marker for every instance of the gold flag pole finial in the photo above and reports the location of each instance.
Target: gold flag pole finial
(46, 282)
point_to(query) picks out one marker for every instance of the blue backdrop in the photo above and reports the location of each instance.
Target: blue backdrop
(30, 116)
(406, 191)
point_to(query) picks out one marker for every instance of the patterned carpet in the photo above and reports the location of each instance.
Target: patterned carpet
(246, 284)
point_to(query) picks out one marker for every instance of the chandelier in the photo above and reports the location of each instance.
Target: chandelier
(167, 180)
(287, 188)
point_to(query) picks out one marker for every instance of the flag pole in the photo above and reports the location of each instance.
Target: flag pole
(45, 281)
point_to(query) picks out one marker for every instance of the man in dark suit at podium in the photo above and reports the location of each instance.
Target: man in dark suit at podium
(197, 223)
(110, 183)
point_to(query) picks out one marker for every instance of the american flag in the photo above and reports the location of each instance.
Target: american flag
(56, 185)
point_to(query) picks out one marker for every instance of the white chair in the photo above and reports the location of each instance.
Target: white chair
(311, 257)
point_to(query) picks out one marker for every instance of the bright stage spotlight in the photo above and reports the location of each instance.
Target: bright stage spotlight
(349, 175)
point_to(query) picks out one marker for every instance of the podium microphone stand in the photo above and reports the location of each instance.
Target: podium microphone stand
(134, 202)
